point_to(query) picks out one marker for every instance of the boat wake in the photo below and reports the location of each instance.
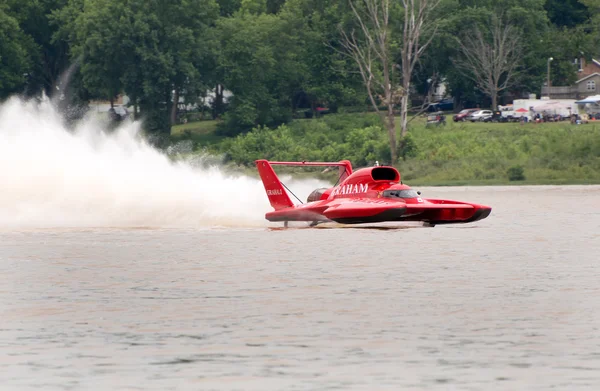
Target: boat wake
(87, 177)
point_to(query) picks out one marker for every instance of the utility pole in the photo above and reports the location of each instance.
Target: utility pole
(550, 59)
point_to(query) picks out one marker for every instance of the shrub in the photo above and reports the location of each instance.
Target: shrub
(407, 147)
(516, 173)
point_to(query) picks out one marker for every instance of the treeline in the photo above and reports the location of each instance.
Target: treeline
(277, 57)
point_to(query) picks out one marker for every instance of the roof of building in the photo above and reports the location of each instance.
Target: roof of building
(587, 77)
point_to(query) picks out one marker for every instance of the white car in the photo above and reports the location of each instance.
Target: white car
(480, 116)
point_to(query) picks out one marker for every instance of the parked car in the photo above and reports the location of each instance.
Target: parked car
(498, 117)
(463, 114)
(480, 116)
(443, 105)
(436, 119)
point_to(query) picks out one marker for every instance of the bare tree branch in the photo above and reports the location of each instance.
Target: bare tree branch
(492, 60)
(370, 50)
(417, 23)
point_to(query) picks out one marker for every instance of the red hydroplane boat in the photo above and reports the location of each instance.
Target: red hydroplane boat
(368, 195)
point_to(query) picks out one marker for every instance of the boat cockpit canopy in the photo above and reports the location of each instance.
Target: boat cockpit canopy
(408, 193)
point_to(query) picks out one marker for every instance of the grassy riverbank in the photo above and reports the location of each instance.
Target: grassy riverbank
(467, 153)
(201, 132)
(457, 154)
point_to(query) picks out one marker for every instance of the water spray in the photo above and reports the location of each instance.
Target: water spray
(86, 177)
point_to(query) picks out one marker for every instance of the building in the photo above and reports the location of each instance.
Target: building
(587, 84)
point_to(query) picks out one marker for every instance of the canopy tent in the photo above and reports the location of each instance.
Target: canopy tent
(553, 106)
(589, 99)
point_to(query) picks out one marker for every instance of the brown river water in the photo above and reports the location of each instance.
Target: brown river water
(511, 302)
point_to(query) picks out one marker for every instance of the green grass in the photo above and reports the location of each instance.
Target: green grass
(201, 132)
(482, 153)
(457, 154)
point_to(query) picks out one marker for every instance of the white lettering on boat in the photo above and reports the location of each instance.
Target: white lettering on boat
(275, 192)
(350, 189)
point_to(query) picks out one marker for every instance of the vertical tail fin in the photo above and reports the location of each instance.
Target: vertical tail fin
(344, 170)
(277, 195)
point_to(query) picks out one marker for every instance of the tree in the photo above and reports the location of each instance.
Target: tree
(566, 45)
(593, 7)
(371, 48)
(15, 57)
(594, 12)
(94, 32)
(491, 60)
(531, 19)
(260, 59)
(255, 7)
(228, 7)
(330, 78)
(419, 30)
(153, 51)
(50, 57)
(566, 13)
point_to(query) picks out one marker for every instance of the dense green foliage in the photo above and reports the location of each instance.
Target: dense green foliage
(147, 48)
(566, 13)
(333, 138)
(457, 153)
(265, 47)
(547, 152)
(15, 59)
(280, 58)
(50, 58)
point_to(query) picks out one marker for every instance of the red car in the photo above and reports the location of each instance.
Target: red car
(463, 114)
